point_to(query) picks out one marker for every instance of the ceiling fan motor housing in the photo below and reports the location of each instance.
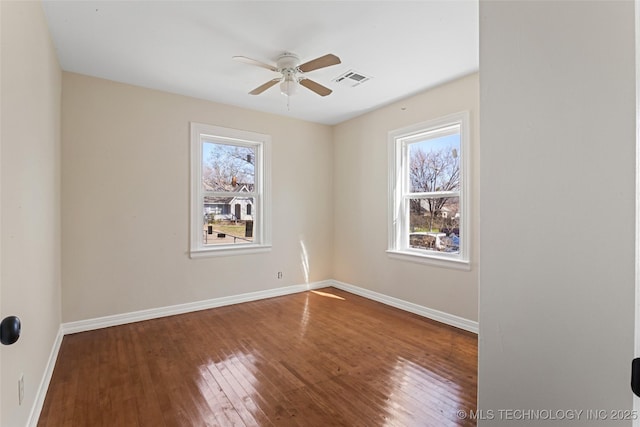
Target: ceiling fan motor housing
(288, 63)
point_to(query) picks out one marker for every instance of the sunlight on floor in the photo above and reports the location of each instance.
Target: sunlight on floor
(216, 375)
(414, 388)
(304, 321)
(327, 294)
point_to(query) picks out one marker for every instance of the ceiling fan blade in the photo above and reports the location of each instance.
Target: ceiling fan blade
(254, 62)
(262, 88)
(315, 87)
(323, 61)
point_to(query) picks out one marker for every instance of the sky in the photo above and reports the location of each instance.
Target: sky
(436, 144)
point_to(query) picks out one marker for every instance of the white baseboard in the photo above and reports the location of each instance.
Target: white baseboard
(36, 409)
(440, 316)
(154, 313)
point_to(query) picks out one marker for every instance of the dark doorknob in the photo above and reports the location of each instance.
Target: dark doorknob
(635, 376)
(9, 330)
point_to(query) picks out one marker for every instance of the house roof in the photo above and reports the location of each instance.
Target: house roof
(242, 188)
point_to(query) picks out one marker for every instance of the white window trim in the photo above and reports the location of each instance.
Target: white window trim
(398, 247)
(262, 232)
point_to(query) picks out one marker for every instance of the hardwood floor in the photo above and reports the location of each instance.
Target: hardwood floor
(318, 358)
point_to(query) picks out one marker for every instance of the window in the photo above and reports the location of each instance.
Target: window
(428, 209)
(230, 210)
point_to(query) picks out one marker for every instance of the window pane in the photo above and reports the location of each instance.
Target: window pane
(434, 164)
(434, 224)
(228, 167)
(228, 220)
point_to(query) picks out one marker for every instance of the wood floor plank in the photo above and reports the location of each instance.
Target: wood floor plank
(318, 358)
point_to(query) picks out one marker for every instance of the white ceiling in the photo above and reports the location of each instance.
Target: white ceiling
(185, 47)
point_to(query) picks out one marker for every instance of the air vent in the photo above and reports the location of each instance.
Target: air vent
(351, 78)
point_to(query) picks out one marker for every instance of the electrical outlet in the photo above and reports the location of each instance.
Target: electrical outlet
(20, 389)
(279, 274)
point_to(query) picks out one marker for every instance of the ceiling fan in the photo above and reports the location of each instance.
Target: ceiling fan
(292, 73)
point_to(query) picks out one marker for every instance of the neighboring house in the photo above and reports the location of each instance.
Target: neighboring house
(450, 210)
(230, 208)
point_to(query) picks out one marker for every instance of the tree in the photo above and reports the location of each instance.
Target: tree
(433, 171)
(227, 166)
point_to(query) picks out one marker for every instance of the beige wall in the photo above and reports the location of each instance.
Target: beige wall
(558, 201)
(125, 201)
(30, 201)
(360, 204)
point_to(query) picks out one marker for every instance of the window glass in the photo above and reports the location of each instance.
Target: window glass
(226, 167)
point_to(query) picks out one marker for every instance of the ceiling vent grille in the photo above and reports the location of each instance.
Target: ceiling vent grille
(351, 78)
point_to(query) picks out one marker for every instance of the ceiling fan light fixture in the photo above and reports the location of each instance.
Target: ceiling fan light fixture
(289, 86)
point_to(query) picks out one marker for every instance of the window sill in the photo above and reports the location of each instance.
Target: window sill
(229, 251)
(434, 260)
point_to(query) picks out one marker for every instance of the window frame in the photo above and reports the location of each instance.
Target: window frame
(204, 133)
(400, 194)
